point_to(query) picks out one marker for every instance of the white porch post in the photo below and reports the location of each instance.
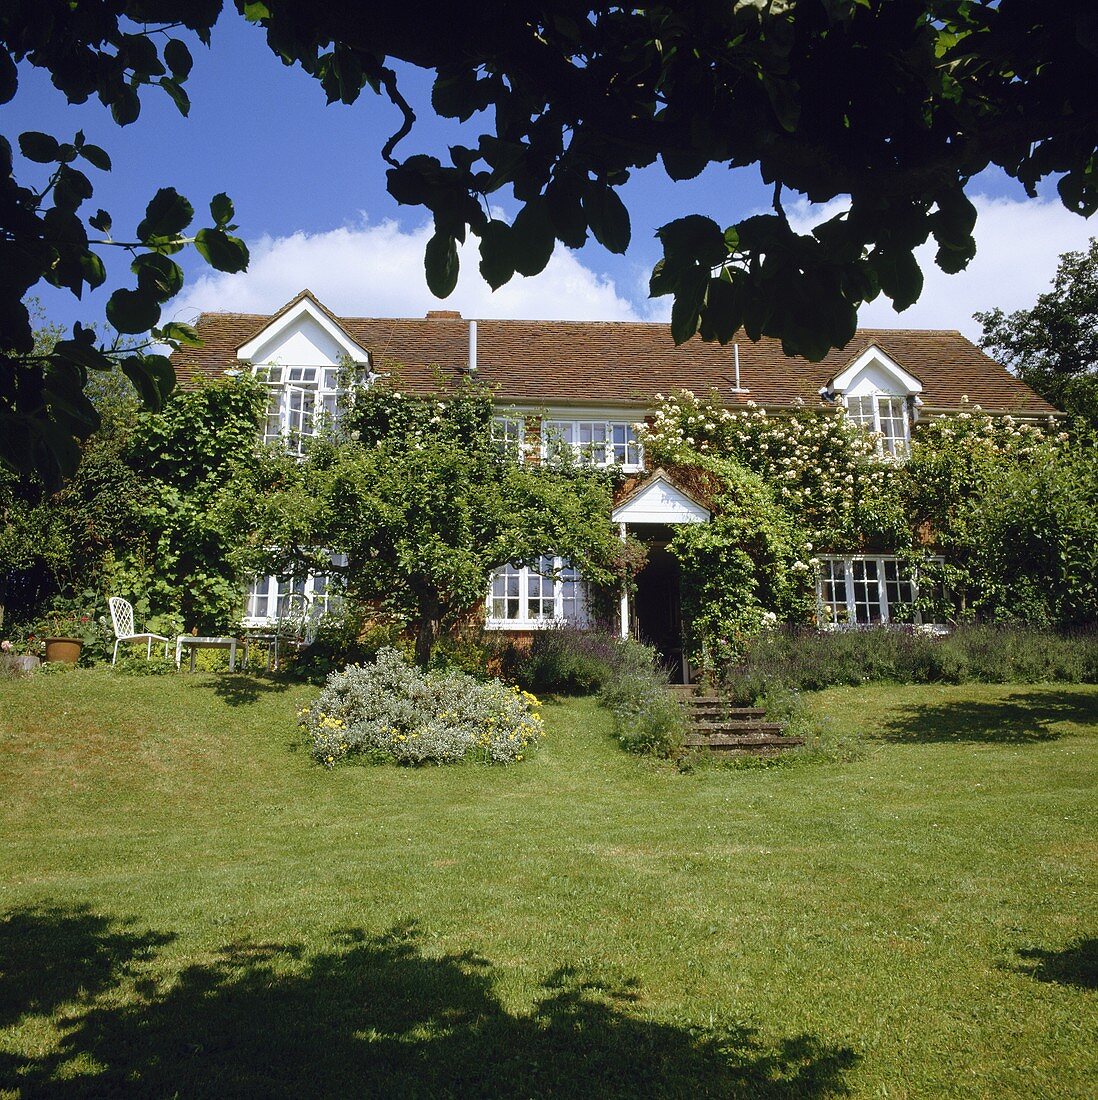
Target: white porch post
(624, 610)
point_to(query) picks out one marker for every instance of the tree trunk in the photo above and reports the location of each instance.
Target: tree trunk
(426, 633)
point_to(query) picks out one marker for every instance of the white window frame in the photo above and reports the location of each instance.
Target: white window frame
(847, 561)
(895, 446)
(532, 586)
(300, 398)
(557, 432)
(509, 434)
(315, 587)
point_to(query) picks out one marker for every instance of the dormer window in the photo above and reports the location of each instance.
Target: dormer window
(301, 401)
(886, 416)
(877, 393)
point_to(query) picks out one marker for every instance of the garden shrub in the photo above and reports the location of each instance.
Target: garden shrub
(803, 660)
(568, 661)
(647, 718)
(390, 710)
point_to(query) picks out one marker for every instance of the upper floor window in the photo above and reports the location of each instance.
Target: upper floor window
(520, 598)
(886, 416)
(596, 442)
(301, 400)
(509, 435)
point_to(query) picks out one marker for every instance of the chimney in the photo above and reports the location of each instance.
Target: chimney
(472, 349)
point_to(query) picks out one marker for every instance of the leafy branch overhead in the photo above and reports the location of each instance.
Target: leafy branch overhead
(890, 107)
(887, 105)
(46, 235)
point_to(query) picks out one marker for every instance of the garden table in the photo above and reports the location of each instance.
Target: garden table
(195, 644)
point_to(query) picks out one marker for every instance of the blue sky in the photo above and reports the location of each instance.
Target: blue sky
(309, 186)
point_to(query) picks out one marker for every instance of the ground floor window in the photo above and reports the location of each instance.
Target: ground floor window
(521, 598)
(270, 598)
(867, 589)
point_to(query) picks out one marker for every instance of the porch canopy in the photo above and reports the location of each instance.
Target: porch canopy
(656, 500)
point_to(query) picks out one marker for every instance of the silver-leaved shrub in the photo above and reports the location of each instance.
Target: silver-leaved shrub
(391, 710)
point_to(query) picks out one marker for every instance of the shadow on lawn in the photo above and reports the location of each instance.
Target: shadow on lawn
(240, 689)
(374, 1016)
(1076, 964)
(1021, 718)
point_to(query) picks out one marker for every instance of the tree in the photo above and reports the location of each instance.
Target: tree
(424, 505)
(893, 104)
(1053, 346)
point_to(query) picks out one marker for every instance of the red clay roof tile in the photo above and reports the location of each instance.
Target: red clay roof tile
(543, 363)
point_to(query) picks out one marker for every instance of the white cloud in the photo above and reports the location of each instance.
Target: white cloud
(1018, 243)
(377, 271)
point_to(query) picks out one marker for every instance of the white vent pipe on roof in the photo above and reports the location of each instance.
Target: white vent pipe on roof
(472, 349)
(737, 388)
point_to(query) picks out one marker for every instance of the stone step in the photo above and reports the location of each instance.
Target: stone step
(716, 706)
(736, 729)
(737, 742)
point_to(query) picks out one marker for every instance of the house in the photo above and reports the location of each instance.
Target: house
(585, 386)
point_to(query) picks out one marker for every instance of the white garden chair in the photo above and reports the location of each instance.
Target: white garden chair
(122, 619)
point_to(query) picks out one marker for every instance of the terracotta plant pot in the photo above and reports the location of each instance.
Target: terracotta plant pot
(66, 650)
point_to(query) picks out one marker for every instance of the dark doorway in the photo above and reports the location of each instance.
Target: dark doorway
(658, 609)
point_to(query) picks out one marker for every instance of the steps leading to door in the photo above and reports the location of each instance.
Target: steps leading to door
(716, 725)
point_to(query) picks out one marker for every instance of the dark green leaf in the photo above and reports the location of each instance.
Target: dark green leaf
(153, 377)
(166, 216)
(9, 77)
(694, 238)
(157, 275)
(178, 58)
(496, 263)
(564, 202)
(96, 157)
(179, 97)
(440, 262)
(181, 334)
(221, 209)
(723, 313)
(92, 266)
(101, 220)
(220, 250)
(125, 106)
(71, 189)
(133, 311)
(899, 275)
(533, 238)
(689, 298)
(607, 216)
(41, 148)
(84, 355)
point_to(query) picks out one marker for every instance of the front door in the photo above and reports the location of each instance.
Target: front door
(658, 609)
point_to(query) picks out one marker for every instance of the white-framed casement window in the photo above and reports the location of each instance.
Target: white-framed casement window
(521, 598)
(509, 435)
(268, 597)
(885, 415)
(866, 590)
(596, 442)
(300, 401)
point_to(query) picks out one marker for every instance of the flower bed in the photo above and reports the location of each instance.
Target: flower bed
(389, 710)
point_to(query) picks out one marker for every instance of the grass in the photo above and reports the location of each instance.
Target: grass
(188, 905)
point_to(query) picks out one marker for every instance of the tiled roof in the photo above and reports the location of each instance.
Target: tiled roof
(542, 363)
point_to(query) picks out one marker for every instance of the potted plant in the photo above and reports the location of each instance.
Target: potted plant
(65, 632)
(15, 662)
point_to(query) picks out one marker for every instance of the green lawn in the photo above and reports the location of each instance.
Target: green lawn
(188, 905)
